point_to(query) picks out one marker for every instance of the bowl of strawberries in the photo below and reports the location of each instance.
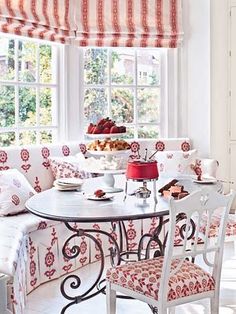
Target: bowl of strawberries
(105, 126)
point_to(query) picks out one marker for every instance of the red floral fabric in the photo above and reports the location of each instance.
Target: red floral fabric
(144, 277)
(64, 169)
(15, 190)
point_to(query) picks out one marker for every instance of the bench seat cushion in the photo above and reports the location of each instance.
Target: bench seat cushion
(13, 230)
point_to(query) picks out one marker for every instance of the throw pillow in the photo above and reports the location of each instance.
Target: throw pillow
(174, 163)
(67, 167)
(15, 190)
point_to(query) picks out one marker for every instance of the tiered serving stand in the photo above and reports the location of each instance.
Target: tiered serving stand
(108, 178)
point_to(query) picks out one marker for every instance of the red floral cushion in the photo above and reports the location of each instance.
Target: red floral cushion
(15, 190)
(66, 168)
(144, 277)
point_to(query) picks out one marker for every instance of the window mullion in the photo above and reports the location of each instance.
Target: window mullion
(135, 94)
(37, 96)
(17, 109)
(109, 81)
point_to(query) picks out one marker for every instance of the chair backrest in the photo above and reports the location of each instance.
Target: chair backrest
(196, 210)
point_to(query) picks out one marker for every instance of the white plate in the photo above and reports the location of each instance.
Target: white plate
(105, 135)
(206, 181)
(108, 152)
(69, 181)
(95, 198)
(67, 188)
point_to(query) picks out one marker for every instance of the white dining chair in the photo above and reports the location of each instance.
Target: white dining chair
(177, 278)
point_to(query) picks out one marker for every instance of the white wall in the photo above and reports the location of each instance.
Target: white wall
(194, 102)
(219, 86)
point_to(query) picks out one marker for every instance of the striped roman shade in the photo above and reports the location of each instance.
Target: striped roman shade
(130, 23)
(125, 23)
(45, 19)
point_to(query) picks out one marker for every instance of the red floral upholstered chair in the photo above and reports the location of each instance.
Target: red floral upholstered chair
(174, 279)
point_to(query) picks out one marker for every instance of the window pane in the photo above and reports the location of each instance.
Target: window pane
(122, 66)
(27, 61)
(96, 66)
(95, 104)
(148, 67)
(47, 110)
(27, 137)
(129, 132)
(148, 131)
(27, 106)
(7, 62)
(122, 105)
(7, 106)
(148, 105)
(46, 64)
(7, 139)
(45, 137)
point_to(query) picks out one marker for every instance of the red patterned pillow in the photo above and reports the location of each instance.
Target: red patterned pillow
(66, 167)
(15, 190)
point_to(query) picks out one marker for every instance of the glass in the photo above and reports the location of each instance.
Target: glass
(7, 139)
(148, 67)
(27, 52)
(47, 106)
(148, 105)
(129, 132)
(148, 131)
(27, 106)
(47, 63)
(95, 66)
(122, 105)
(45, 136)
(122, 66)
(7, 106)
(95, 104)
(27, 137)
(7, 59)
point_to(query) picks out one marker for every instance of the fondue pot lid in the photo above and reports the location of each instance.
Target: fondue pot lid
(138, 161)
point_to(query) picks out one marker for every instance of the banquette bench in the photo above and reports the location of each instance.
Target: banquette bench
(30, 247)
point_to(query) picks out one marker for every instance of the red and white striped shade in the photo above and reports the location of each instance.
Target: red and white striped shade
(115, 23)
(45, 19)
(129, 23)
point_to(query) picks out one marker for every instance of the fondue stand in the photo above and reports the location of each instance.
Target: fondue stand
(142, 171)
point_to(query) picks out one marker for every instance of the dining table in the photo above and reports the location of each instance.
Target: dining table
(80, 206)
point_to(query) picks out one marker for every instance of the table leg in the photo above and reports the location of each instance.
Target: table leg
(73, 280)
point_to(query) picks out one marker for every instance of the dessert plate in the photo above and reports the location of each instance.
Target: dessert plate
(69, 181)
(109, 135)
(206, 181)
(103, 198)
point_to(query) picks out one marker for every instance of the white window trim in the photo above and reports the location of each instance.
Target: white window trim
(58, 125)
(75, 92)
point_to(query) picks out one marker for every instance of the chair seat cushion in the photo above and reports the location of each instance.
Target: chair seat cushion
(144, 277)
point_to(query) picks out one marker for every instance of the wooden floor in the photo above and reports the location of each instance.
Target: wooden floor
(48, 300)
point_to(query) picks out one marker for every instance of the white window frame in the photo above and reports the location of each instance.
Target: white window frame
(57, 124)
(75, 93)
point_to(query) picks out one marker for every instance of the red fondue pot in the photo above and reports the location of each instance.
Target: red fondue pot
(140, 170)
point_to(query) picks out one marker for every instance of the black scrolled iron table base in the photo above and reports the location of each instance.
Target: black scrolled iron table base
(118, 253)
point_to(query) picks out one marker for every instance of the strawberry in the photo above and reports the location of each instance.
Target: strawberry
(114, 129)
(102, 121)
(90, 128)
(97, 129)
(122, 129)
(99, 193)
(106, 131)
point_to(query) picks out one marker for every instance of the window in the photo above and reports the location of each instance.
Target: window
(125, 84)
(28, 91)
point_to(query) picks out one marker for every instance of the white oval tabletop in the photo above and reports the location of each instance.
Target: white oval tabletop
(74, 206)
